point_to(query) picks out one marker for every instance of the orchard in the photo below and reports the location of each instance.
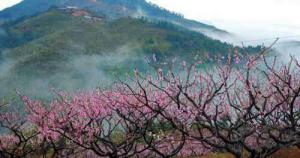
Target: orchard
(239, 105)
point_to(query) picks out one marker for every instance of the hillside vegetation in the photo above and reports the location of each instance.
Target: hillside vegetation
(70, 48)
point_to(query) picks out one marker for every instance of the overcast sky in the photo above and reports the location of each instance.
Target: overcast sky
(269, 17)
(7, 3)
(247, 17)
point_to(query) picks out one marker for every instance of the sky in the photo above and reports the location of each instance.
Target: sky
(268, 17)
(8, 3)
(250, 18)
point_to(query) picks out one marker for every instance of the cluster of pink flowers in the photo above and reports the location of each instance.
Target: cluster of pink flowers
(253, 108)
(8, 141)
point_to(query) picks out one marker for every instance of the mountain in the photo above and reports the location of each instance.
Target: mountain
(71, 48)
(64, 31)
(81, 44)
(110, 8)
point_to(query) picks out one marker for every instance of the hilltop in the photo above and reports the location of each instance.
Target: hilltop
(111, 8)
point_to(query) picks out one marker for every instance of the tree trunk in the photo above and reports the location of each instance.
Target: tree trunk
(238, 155)
(113, 155)
(257, 155)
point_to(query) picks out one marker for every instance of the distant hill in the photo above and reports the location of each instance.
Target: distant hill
(110, 8)
(72, 49)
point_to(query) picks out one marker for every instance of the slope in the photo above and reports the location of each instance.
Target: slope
(74, 49)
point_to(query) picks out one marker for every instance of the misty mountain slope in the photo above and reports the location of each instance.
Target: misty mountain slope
(111, 8)
(78, 35)
(74, 49)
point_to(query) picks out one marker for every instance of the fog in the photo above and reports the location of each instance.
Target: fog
(81, 72)
(286, 49)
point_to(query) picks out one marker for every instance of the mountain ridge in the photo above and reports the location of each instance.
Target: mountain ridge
(111, 8)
